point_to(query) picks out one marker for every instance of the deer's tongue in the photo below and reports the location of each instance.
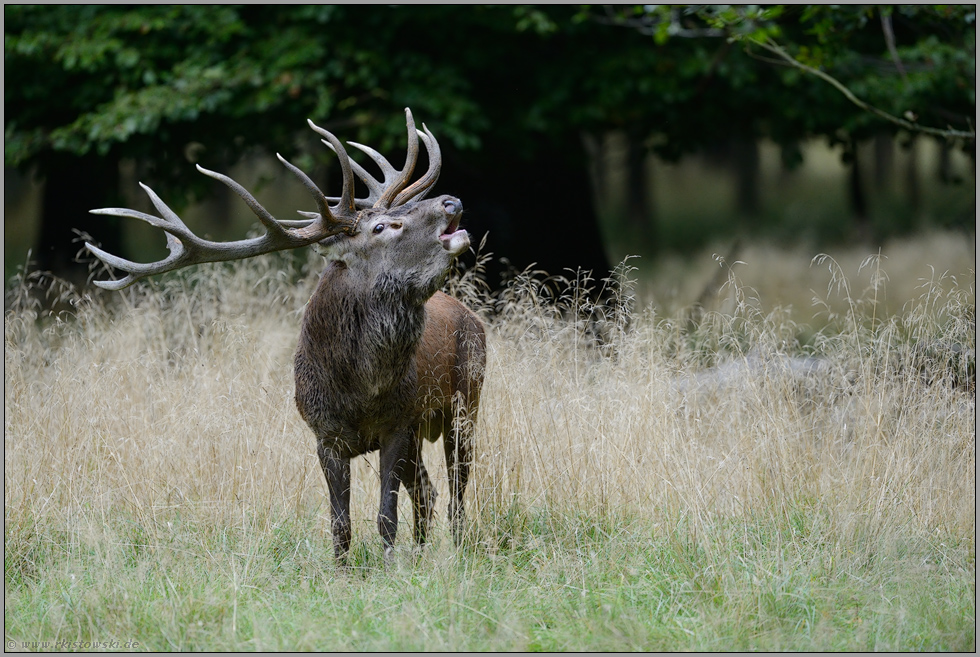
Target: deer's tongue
(452, 227)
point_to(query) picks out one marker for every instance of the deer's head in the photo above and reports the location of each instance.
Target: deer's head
(414, 243)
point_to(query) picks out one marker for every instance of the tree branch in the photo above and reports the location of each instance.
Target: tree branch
(948, 133)
(886, 28)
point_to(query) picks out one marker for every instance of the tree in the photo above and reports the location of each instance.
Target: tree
(99, 84)
(513, 93)
(843, 73)
(107, 83)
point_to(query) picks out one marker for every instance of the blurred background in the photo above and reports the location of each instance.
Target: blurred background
(575, 135)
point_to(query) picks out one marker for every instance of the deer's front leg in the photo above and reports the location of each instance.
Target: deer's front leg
(395, 455)
(337, 472)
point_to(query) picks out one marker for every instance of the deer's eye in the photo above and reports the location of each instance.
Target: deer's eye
(378, 229)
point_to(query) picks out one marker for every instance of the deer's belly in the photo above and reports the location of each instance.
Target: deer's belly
(353, 424)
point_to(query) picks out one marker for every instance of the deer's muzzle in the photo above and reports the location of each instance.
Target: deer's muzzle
(454, 239)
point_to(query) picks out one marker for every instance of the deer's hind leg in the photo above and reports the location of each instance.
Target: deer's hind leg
(457, 441)
(416, 480)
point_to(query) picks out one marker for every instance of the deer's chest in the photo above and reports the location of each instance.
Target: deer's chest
(355, 376)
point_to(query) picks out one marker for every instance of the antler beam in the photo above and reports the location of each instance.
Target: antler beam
(187, 249)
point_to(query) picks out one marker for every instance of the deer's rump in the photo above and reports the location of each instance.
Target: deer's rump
(450, 362)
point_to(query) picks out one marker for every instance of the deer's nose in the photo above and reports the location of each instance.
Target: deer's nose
(452, 206)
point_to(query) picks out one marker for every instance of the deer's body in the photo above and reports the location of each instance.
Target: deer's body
(384, 360)
(450, 360)
(426, 370)
(383, 371)
(366, 375)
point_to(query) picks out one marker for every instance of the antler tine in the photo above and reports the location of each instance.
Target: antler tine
(267, 219)
(347, 196)
(375, 187)
(388, 194)
(136, 270)
(347, 220)
(417, 190)
(414, 192)
(392, 190)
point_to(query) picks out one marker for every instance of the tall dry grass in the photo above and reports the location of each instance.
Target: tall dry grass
(171, 404)
(178, 395)
(734, 418)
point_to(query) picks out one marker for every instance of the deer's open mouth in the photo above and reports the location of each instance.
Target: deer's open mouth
(454, 239)
(451, 228)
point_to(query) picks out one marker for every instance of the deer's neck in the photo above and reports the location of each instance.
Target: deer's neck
(362, 333)
(396, 320)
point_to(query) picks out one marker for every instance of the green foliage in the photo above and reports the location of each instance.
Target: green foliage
(916, 62)
(167, 86)
(913, 63)
(130, 80)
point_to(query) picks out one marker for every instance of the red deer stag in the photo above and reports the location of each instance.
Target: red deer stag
(384, 359)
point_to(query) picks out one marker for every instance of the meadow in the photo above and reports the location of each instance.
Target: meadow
(647, 477)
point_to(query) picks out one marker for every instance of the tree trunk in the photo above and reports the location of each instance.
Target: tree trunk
(944, 166)
(745, 161)
(912, 187)
(856, 193)
(639, 209)
(884, 149)
(595, 149)
(72, 187)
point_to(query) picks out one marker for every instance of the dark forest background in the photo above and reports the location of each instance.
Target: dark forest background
(565, 129)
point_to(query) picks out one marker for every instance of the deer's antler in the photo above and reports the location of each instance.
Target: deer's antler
(392, 191)
(187, 249)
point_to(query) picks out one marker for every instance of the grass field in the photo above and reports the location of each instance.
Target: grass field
(710, 484)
